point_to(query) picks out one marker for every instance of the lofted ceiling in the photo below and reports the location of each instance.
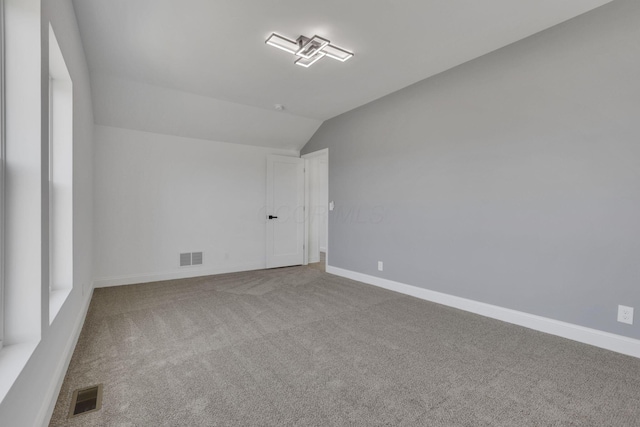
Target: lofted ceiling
(201, 69)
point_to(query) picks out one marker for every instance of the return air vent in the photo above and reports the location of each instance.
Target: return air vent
(196, 258)
(190, 258)
(185, 259)
(86, 400)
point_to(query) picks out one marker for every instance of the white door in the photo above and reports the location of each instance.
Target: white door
(323, 202)
(317, 203)
(285, 211)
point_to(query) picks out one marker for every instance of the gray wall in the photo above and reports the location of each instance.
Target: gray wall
(513, 179)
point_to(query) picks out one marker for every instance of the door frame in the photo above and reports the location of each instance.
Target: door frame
(307, 207)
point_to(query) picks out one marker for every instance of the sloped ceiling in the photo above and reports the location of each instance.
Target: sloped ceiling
(201, 69)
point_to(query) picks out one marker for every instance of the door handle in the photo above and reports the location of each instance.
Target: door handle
(273, 217)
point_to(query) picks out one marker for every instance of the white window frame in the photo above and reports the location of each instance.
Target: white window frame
(2, 169)
(50, 169)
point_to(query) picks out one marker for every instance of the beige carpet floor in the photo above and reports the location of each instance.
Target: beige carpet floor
(300, 347)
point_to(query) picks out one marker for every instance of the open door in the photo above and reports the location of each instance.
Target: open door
(317, 204)
(285, 211)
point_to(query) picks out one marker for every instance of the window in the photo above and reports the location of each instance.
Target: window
(21, 215)
(2, 156)
(60, 178)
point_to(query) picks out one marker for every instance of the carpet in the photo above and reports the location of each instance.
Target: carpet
(300, 347)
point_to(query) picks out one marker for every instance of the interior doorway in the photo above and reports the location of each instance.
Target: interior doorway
(317, 207)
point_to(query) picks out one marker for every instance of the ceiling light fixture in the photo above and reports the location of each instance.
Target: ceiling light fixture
(308, 62)
(309, 47)
(308, 50)
(283, 43)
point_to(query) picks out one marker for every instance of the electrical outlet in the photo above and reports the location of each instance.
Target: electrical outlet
(625, 314)
(379, 265)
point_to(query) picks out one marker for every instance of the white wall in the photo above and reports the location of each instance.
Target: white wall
(133, 105)
(29, 400)
(159, 195)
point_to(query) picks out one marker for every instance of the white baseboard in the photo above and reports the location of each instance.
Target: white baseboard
(49, 403)
(187, 272)
(606, 340)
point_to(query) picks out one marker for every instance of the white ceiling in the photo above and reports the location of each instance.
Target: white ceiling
(203, 57)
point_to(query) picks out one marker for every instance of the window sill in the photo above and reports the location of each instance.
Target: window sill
(56, 300)
(13, 359)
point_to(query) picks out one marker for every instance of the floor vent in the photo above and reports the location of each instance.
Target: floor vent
(86, 400)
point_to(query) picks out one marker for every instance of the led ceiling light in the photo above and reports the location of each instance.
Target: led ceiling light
(283, 43)
(310, 47)
(308, 50)
(308, 62)
(337, 53)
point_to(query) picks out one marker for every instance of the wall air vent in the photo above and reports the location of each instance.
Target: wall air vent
(196, 258)
(191, 258)
(185, 259)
